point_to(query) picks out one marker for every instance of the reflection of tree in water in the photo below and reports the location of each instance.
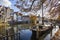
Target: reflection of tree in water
(11, 32)
(2, 30)
(7, 33)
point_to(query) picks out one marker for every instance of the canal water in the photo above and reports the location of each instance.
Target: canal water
(26, 34)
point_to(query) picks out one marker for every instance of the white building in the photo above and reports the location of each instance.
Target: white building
(26, 18)
(5, 13)
(17, 16)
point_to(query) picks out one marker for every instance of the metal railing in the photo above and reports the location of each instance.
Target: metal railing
(9, 34)
(15, 36)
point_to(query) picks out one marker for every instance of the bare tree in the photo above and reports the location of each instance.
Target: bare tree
(28, 5)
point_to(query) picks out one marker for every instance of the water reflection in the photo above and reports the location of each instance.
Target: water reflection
(49, 36)
(26, 33)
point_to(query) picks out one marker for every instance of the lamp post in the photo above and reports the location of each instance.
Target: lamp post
(42, 13)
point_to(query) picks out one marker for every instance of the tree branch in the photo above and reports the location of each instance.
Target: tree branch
(32, 4)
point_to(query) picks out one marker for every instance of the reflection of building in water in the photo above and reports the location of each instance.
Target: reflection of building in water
(5, 13)
(16, 16)
(26, 18)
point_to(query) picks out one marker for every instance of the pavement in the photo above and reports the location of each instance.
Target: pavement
(56, 36)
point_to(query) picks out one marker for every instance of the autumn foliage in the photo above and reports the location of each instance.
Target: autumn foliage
(58, 18)
(33, 19)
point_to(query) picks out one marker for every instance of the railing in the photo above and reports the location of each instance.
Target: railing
(10, 37)
(8, 34)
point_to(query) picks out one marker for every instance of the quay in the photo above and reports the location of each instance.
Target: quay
(56, 36)
(38, 32)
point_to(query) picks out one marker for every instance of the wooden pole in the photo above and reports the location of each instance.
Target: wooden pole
(37, 32)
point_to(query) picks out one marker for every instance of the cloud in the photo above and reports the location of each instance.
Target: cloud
(5, 2)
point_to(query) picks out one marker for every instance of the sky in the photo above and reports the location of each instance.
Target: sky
(9, 3)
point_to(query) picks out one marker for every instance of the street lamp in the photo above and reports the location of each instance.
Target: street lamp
(42, 13)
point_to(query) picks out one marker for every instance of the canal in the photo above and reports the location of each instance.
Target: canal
(26, 33)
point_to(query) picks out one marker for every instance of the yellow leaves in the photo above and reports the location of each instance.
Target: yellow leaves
(3, 27)
(33, 19)
(58, 18)
(3, 24)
